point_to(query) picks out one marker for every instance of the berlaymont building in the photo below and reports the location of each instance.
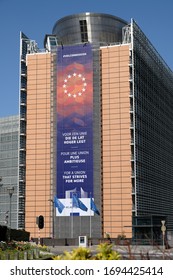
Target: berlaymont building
(96, 132)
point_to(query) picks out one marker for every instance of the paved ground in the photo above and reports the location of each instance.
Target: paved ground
(128, 252)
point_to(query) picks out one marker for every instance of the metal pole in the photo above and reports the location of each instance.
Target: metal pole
(53, 226)
(38, 236)
(53, 222)
(163, 234)
(10, 209)
(163, 229)
(72, 221)
(90, 215)
(10, 191)
(90, 222)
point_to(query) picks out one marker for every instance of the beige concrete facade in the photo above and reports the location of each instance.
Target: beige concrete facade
(116, 152)
(38, 147)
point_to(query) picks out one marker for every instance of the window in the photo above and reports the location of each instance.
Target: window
(83, 29)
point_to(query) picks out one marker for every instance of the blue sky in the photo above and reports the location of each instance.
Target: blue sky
(37, 18)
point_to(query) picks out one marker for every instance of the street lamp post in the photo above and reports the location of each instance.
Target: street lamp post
(163, 229)
(53, 222)
(10, 192)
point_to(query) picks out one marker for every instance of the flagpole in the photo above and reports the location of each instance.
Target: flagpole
(90, 215)
(72, 219)
(53, 221)
(90, 223)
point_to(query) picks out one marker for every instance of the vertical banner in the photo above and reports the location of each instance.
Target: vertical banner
(74, 128)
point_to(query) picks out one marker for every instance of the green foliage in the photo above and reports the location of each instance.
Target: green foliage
(76, 254)
(19, 235)
(12, 249)
(107, 235)
(43, 248)
(3, 233)
(107, 253)
(14, 234)
(3, 246)
(121, 236)
(23, 246)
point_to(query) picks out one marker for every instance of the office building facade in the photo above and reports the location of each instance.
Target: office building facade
(9, 144)
(97, 104)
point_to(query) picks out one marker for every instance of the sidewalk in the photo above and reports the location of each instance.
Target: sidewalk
(133, 251)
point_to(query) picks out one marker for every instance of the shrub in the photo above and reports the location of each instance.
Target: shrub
(76, 254)
(3, 245)
(107, 253)
(121, 236)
